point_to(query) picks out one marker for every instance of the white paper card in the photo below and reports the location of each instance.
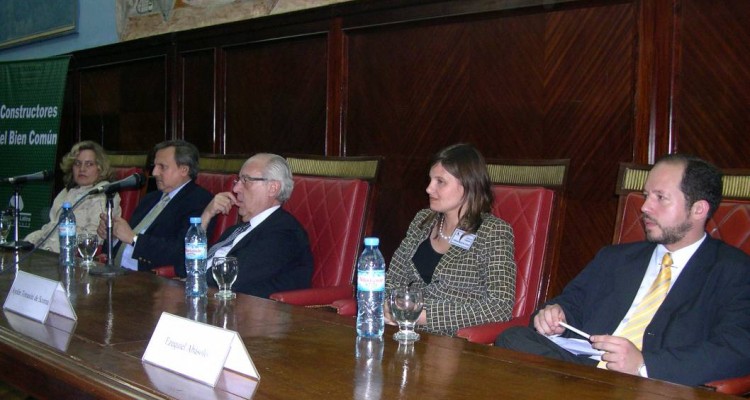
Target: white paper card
(34, 297)
(196, 350)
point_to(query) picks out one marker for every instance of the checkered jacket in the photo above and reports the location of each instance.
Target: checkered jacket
(469, 287)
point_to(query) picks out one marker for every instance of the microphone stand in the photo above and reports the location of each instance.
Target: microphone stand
(110, 206)
(109, 269)
(17, 244)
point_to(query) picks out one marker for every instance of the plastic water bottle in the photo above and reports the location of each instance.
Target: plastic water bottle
(196, 249)
(67, 232)
(370, 290)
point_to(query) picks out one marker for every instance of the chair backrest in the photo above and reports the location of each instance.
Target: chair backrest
(124, 165)
(730, 222)
(217, 174)
(529, 196)
(332, 199)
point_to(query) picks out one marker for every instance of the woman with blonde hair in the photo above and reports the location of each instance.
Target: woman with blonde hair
(84, 167)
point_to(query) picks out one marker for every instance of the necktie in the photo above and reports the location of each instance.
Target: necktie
(145, 223)
(645, 311)
(228, 240)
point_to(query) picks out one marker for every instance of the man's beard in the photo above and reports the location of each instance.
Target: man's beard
(669, 235)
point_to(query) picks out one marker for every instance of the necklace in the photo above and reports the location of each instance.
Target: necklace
(440, 229)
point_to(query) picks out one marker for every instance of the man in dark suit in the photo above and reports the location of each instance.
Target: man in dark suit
(144, 245)
(270, 244)
(700, 329)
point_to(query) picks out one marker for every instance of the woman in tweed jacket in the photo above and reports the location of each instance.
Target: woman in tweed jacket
(466, 283)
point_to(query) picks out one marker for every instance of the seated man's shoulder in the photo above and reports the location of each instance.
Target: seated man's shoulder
(284, 217)
(198, 190)
(731, 253)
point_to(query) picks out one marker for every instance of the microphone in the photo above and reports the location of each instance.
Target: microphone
(133, 181)
(37, 176)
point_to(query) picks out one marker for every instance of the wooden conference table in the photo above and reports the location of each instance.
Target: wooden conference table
(300, 353)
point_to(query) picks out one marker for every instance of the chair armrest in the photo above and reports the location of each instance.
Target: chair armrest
(486, 333)
(346, 307)
(323, 296)
(166, 271)
(734, 386)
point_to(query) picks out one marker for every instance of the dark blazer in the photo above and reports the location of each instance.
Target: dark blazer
(163, 243)
(702, 330)
(275, 256)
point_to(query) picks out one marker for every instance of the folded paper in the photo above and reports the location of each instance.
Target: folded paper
(35, 297)
(196, 350)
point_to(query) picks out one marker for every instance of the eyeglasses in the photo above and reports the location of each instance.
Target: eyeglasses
(247, 179)
(87, 164)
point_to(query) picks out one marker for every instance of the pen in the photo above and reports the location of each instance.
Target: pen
(578, 331)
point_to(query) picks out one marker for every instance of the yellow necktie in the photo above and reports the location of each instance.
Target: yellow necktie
(645, 311)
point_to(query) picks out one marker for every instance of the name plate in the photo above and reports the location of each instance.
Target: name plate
(35, 297)
(196, 350)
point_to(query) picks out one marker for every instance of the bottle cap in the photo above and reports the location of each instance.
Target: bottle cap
(372, 241)
(195, 220)
(66, 204)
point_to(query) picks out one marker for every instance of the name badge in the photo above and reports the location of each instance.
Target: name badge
(462, 239)
(35, 297)
(196, 350)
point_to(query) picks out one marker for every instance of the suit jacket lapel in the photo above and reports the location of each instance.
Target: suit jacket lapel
(173, 203)
(690, 281)
(152, 200)
(258, 230)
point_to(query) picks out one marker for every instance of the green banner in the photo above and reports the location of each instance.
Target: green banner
(31, 99)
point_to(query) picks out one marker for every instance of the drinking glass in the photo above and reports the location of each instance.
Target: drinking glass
(224, 270)
(5, 224)
(88, 244)
(406, 306)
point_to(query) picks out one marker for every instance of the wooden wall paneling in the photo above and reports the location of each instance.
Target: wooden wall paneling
(125, 106)
(712, 117)
(536, 84)
(276, 96)
(197, 91)
(336, 104)
(595, 81)
(589, 104)
(654, 83)
(406, 86)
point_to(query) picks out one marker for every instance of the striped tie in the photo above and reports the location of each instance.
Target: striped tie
(645, 311)
(228, 241)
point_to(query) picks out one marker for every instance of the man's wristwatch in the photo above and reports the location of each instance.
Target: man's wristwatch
(135, 239)
(642, 370)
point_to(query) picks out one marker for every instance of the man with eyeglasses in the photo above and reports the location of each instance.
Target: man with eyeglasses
(155, 234)
(270, 244)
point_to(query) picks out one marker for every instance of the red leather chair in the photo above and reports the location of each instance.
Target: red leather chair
(125, 165)
(332, 199)
(528, 195)
(730, 223)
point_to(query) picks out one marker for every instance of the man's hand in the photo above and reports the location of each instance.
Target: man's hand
(546, 321)
(120, 229)
(222, 203)
(620, 353)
